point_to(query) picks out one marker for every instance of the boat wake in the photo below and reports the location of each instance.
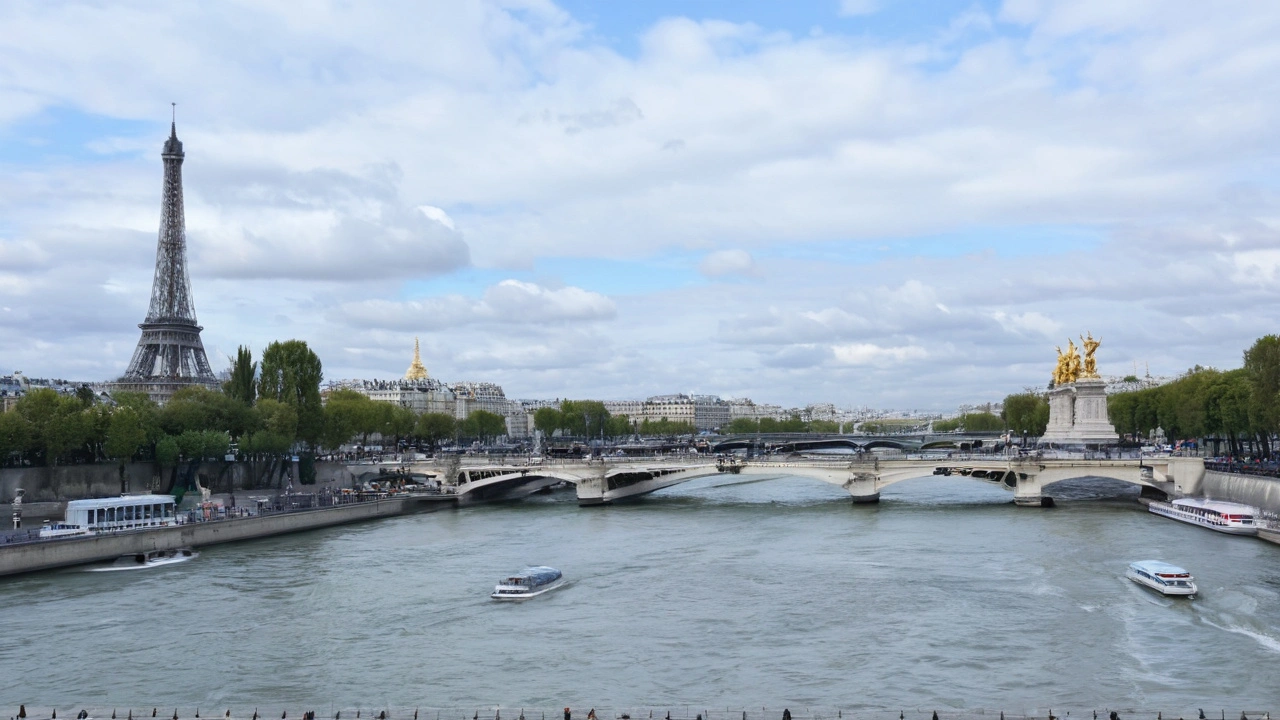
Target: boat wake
(142, 561)
(1267, 641)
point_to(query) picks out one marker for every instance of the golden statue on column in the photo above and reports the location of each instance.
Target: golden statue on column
(1071, 367)
(1090, 364)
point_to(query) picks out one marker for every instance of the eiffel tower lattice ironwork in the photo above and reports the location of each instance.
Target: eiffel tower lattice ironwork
(169, 353)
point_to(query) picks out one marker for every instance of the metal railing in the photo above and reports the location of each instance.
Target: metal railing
(1265, 469)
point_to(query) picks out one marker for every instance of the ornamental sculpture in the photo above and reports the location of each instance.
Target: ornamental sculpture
(1071, 367)
(1090, 364)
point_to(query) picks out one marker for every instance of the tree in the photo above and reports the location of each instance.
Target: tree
(278, 418)
(1262, 365)
(435, 428)
(573, 419)
(547, 420)
(147, 412)
(15, 435)
(85, 395)
(347, 414)
(58, 424)
(942, 426)
(742, 426)
(594, 416)
(167, 451)
(291, 373)
(484, 425)
(1026, 413)
(399, 423)
(125, 436)
(970, 422)
(981, 422)
(666, 428)
(199, 408)
(618, 426)
(242, 384)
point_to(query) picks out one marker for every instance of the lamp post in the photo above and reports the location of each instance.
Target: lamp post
(17, 508)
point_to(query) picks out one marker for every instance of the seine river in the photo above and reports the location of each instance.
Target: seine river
(719, 594)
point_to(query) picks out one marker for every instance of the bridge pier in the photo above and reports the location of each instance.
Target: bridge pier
(591, 491)
(1028, 492)
(864, 488)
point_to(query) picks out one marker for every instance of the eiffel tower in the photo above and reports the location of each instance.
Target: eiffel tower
(169, 355)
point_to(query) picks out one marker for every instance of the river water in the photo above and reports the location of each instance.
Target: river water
(720, 593)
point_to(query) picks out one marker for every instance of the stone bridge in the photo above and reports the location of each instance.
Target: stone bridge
(603, 481)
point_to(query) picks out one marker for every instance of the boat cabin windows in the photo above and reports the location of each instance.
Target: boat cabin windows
(122, 513)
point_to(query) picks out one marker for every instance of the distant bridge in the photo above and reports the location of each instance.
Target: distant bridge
(802, 442)
(608, 480)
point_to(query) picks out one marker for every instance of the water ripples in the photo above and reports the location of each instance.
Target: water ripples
(715, 593)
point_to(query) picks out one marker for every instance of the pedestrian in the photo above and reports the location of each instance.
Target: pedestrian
(567, 716)
(786, 714)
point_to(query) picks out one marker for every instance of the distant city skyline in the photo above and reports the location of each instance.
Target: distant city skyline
(843, 201)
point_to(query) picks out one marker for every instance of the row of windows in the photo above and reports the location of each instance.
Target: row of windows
(126, 514)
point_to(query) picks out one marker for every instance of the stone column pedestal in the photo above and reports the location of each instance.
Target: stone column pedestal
(1092, 424)
(1078, 414)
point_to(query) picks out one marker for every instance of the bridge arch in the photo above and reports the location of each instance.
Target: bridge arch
(887, 445)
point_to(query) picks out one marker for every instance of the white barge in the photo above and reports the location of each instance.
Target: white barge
(126, 512)
(1162, 577)
(1224, 517)
(530, 582)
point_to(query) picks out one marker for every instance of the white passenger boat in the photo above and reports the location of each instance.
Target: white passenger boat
(1162, 577)
(61, 530)
(126, 512)
(530, 582)
(153, 558)
(1225, 517)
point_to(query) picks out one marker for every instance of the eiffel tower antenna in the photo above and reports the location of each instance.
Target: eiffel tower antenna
(170, 354)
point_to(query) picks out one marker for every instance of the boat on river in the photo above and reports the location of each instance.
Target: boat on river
(1224, 517)
(530, 582)
(113, 514)
(149, 559)
(1162, 577)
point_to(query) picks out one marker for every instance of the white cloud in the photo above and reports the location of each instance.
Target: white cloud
(320, 164)
(1022, 323)
(728, 262)
(438, 215)
(1257, 266)
(509, 303)
(870, 354)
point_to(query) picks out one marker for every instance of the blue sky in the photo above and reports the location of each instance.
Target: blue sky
(619, 25)
(909, 205)
(61, 134)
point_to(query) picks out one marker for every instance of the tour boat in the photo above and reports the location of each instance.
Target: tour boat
(530, 582)
(1162, 577)
(50, 530)
(150, 559)
(126, 512)
(1225, 517)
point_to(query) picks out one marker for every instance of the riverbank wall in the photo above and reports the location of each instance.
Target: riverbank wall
(31, 557)
(1256, 490)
